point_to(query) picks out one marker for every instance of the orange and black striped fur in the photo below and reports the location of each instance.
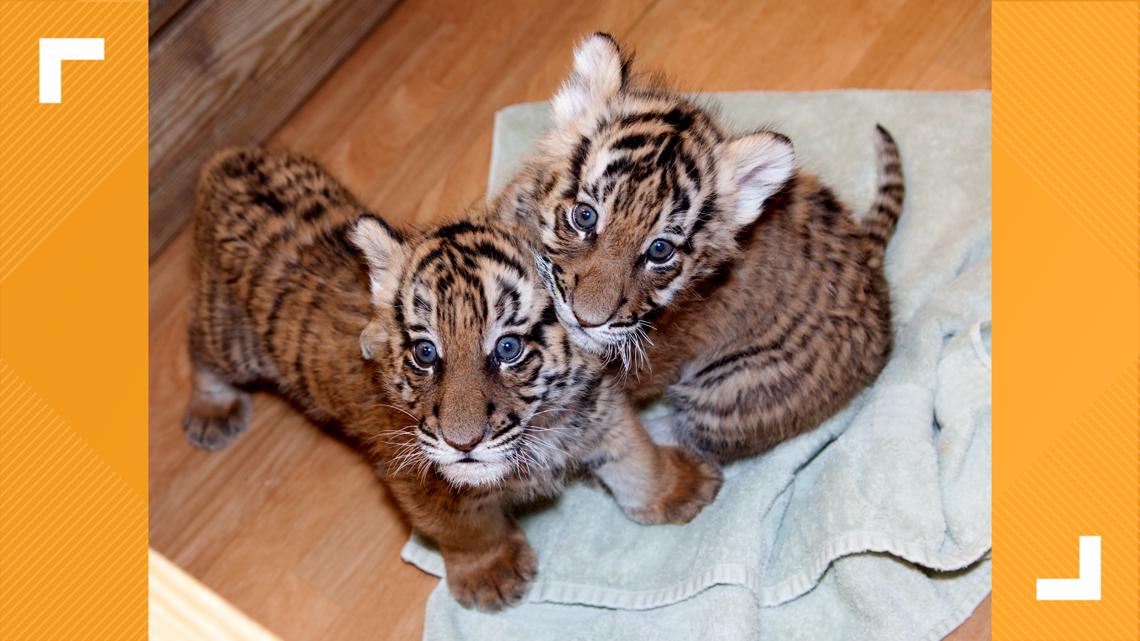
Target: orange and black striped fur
(451, 328)
(721, 274)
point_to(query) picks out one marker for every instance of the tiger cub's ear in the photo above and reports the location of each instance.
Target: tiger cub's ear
(599, 73)
(372, 339)
(753, 167)
(385, 251)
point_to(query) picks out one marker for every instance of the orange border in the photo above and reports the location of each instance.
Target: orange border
(73, 327)
(1067, 332)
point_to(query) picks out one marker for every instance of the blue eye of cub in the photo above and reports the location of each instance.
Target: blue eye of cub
(508, 349)
(584, 217)
(425, 353)
(660, 251)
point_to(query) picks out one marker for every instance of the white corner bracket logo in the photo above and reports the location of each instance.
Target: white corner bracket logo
(1085, 587)
(53, 51)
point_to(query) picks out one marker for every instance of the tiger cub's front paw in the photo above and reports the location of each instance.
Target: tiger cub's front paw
(688, 484)
(492, 579)
(212, 423)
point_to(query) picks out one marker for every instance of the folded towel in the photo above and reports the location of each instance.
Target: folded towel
(876, 525)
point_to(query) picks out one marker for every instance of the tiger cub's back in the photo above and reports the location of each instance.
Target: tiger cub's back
(281, 294)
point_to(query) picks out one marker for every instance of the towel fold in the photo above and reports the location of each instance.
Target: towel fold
(876, 525)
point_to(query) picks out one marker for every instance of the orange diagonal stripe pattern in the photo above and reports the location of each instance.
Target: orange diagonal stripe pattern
(73, 513)
(73, 536)
(52, 145)
(1066, 130)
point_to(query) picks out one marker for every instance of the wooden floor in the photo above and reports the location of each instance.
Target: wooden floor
(288, 524)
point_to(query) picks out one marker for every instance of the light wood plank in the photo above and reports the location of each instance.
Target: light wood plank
(289, 524)
(182, 609)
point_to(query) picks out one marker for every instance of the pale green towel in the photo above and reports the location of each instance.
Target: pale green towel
(874, 526)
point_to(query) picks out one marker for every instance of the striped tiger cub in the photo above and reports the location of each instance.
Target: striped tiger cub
(438, 352)
(709, 264)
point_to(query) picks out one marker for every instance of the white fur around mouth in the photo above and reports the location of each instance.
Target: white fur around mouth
(601, 341)
(474, 473)
(584, 339)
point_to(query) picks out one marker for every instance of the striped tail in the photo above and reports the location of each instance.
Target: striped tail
(880, 221)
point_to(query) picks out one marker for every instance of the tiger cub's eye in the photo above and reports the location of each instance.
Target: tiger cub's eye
(584, 217)
(425, 353)
(508, 349)
(660, 251)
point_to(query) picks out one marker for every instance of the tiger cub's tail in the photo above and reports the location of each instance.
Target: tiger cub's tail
(880, 221)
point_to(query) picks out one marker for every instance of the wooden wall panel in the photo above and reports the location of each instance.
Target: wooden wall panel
(161, 11)
(229, 72)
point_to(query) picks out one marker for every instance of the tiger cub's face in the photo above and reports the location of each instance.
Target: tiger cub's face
(637, 192)
(466, 338)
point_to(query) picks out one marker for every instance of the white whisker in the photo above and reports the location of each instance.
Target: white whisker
(400, 409)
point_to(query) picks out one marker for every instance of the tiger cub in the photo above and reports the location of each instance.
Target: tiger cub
(451, 328)
(725, 277)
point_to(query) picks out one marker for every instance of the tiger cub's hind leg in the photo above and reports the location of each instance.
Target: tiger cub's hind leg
(742, 401)
(217, 413)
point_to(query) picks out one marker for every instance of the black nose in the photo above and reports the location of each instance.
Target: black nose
(465, 440)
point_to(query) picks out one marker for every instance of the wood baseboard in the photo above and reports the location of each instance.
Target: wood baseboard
(182, 609)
